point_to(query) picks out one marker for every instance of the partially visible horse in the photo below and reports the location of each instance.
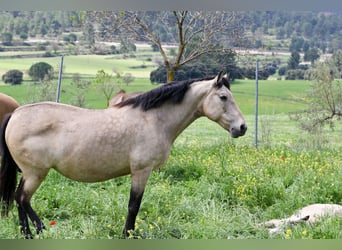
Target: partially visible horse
(134, 137)
(7, 105)
(122, 96)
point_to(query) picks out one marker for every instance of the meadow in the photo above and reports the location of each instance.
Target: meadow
(213, 186)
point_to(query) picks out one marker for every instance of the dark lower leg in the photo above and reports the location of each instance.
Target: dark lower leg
(33, 217)
(24, 224)
(24, 210)
(133, 209)
(23, 220)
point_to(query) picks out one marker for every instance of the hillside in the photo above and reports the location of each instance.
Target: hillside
(272, 30)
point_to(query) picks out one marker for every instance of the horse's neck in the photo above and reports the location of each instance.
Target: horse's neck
(176, 118)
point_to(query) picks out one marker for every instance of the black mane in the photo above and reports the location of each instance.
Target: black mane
(173, 92)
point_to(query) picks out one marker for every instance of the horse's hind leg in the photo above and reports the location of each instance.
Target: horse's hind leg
(23, 196)
(23, 220)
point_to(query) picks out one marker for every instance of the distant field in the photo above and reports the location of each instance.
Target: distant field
(275, 97)
(84, 64)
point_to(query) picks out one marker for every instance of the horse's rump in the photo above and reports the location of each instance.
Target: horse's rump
(7, 105)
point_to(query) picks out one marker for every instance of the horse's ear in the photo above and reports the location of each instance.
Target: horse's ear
(217, 79)
(226, 76)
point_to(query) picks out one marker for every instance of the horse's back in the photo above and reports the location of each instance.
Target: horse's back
(47, 122)
(40, 118)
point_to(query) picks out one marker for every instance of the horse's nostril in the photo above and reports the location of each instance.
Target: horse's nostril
(243, 127)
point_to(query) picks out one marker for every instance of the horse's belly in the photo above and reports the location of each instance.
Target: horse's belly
(92, 173)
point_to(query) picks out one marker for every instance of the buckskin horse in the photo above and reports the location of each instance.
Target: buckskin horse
(134, 137)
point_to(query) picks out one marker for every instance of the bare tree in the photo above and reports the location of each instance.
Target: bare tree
(324, 98)
(194, 33)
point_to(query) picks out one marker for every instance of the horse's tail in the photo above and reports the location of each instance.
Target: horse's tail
(8, 171)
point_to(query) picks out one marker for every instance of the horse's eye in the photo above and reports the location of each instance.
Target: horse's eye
(223, 98)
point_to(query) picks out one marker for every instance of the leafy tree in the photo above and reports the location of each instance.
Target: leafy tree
(70, 38)
(294, 60)
(127, 78)
(105, 84)
(258, 44)
(13, 77)
(296, 44)
(23, 36)
(155, 48)
(264, 72)
(40, 71)
(308, 29)
(311, 55)
(337, 61)
(7, 38)
(281, 33)
(89, 32)
(127, 46)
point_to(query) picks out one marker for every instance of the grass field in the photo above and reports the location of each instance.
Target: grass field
(213, 186)
(275, 97)
(86, 65)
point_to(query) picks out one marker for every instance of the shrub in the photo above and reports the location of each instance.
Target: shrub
(40, 71)
(185, 72)
(263, 73)
(7, 38)
(13, 77)
(71, 38)
(127, 78)
(282, 70)
(191, 71)
(47, 54)
(295, 74)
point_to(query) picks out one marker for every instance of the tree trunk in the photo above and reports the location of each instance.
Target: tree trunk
(170, 74)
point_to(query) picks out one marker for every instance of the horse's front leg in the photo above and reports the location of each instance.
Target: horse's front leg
(138, 184)
(133, 209)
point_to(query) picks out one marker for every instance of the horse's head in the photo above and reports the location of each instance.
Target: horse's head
(219, 106)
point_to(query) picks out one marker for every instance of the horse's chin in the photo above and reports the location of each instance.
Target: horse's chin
(236, 134)
(233, 135)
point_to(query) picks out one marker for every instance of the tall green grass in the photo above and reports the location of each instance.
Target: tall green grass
(207, 190)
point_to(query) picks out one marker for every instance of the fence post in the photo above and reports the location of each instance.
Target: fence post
(256, 103)
(59, 80)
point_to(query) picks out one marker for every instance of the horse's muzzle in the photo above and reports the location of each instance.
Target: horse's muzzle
(236, 132)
